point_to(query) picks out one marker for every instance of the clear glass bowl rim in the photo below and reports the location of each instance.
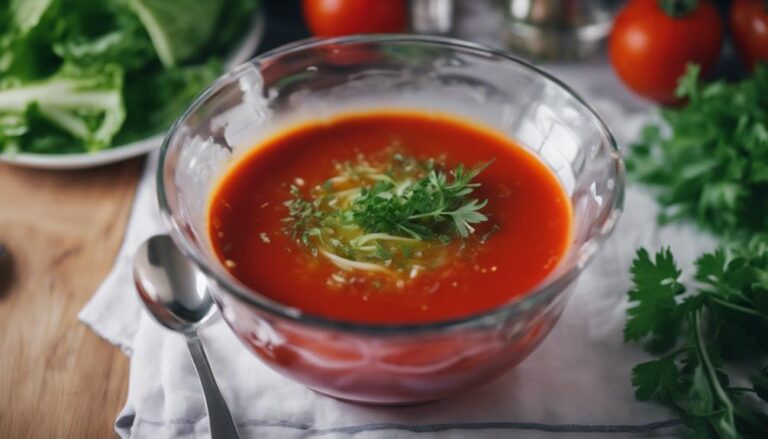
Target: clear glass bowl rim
(551, 286)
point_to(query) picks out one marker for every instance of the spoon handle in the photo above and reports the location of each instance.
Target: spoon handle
(219, 417)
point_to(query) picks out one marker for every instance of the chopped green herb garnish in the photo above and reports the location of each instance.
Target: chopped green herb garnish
(432, 207)
(395, 215)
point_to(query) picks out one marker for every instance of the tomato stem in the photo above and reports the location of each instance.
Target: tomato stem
(678, 8)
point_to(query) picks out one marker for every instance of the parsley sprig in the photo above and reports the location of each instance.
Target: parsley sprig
(696, 330)
(434, 207)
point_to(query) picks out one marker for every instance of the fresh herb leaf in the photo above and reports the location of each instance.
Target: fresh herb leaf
(655, 314)
(658, 380)
(712, 165)
(434, 206)
(701, 329)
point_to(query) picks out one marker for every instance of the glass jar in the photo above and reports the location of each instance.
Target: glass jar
(558, 30)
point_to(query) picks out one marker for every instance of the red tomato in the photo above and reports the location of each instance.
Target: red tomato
(330, 18)
(649, 48)
(749, 25)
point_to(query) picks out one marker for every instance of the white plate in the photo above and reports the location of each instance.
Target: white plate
(242, 53)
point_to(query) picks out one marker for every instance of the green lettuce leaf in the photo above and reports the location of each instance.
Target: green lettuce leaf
(27, 14)
(178, 28)
(82, 75)
(235, 19)
(153, 103)
(119, 37)
(71, 106)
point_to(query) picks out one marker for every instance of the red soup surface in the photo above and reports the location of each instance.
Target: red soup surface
(329, 217)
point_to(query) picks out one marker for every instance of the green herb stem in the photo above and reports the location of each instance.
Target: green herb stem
(738, 308)
(727, 428)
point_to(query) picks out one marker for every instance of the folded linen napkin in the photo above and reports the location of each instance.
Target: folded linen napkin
(577, 381)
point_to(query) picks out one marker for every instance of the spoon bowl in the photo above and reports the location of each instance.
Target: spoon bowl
(175, 293)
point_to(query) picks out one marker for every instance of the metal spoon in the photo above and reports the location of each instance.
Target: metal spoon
(175, 293)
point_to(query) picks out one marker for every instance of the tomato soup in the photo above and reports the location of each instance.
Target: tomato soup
(390, 217)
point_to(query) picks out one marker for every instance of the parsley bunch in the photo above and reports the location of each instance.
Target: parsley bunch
(712, 163)
(724, 317)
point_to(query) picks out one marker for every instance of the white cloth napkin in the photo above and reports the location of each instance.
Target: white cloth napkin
(577, 381)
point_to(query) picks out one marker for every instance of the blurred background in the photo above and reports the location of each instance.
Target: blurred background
(542, 30)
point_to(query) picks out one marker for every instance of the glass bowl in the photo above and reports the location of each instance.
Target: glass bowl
(390, 364)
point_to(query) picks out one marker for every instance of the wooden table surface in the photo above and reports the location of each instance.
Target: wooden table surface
(63, 230)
